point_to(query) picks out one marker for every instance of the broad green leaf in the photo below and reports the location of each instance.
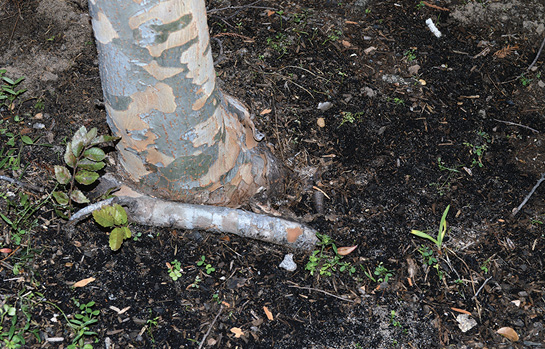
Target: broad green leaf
(103, 139)
(127, 232)
(62, 175)
(119, 214)
(61, 198)
(27, 140)
(104, 217)
(77, 147)
(90, 165)
(91, 135)
(78, 141)
(116, 238)
(78, 197)
(95, 154)
(86, 177)
(69, 157)
(8, 80)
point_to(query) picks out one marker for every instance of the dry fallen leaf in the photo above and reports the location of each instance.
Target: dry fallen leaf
(270, 13)
(346, 43)
(343, 251)
(84, 282)
(509, 333)
(268, 313)
(265, 111)
(5, 250)
(237, 331)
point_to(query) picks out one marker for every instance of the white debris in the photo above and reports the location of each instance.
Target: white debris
(465, 322)
(325, 106)
(433, 28)
(288, 263)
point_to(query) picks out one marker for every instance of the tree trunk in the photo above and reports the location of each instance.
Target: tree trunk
(182, 139)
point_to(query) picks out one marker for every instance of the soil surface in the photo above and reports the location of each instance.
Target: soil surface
(382, 126)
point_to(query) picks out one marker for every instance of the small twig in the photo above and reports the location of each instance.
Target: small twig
(22, 184)
(480, 288)
(210, 327)
(515, 124)
(516, 210)
(435, 6)
(537, 56)
(322, 291)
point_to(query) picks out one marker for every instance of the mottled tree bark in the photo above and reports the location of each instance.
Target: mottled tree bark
(182, 139)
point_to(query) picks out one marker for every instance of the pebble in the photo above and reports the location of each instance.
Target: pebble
(288, 263)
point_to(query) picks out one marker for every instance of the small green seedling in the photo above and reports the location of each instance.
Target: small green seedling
(81, 322)
(9, 91)
(410, 55)
(13, 338)
(440, 234)
(485, 265)
(325, 263)
(175, 270)
(85, 160)
(114, 216)
(382, 273)
(196, 282)
(208, 267)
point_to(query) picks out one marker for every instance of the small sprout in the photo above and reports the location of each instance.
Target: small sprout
(208, 267)
(440, 234)
(174, 270)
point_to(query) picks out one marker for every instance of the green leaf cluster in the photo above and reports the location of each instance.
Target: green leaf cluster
(84, 159)
(175, 272)
(320, 260)
(81, 323)
(114, 216)
(9, 90)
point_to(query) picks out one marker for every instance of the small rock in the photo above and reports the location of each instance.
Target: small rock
(413, 69)
(288, 263)
(325, 106)
(465, 322)
(369, 92)
(369, 50)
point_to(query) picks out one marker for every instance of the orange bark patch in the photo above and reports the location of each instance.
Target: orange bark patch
(104, 30)
(293, 234)
(161, 73)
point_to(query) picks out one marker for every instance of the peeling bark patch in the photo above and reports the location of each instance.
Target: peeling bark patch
(293, 234)
(104, 30)
(162, 73)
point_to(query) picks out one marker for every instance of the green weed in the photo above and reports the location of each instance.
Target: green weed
(410, 55)
(381, 272)
(84, 160)
(321, 261)
(114, 217)
(440, 234)
(81, 323)
(9, 90)
(207, 266)
(175, 270)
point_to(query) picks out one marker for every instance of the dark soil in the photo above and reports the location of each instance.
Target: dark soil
(416, 123)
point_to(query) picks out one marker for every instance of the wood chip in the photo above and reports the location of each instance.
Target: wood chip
(237, 331)
(268, 313)
(84, 282)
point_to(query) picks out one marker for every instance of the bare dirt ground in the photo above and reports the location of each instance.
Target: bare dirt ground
(409, 124)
